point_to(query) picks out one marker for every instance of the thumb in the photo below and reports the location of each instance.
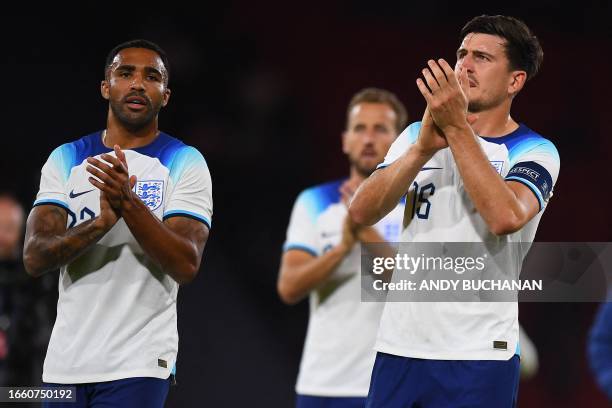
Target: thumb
(427, 119)
(132, 181)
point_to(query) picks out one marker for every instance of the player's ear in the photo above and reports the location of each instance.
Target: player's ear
(517, 81)
(105, 89)
(166, 96)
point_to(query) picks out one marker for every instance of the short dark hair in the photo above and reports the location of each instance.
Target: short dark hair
(522, 47)
(138, 44)
(376, 95)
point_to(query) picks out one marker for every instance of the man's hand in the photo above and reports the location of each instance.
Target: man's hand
(113, 181)
(352, 230)
(431, 139)
(108, 215)
(347, 190)
(446, 95)
(349, 234)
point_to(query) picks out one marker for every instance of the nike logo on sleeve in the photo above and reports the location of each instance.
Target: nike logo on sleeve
(75, 195)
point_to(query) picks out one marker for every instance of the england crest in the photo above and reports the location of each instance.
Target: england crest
(151, 192)
(498, 165)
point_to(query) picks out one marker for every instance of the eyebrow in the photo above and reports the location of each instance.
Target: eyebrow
(131, 68)
(465, 50)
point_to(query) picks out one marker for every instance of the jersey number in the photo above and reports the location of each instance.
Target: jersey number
(85, 212)
(420, 201)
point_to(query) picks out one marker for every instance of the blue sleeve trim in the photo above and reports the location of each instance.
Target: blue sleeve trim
(531, 186)
(381, 166)
(51, 202)
(518, 349)
(188, 214)
(300, 247)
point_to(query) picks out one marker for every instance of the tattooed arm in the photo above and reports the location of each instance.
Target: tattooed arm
(49, 245)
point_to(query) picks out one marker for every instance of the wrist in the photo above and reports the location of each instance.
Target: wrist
(130, 203)
(343, 248)
(420, 153)
(454, 131)
(101, 225)
(368, 234)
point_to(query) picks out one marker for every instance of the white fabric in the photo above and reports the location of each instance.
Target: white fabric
(116, 313)
(338, 354)
(453, 330)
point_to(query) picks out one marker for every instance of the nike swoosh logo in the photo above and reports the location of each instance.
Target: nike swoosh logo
(431, 168)
(75, 195)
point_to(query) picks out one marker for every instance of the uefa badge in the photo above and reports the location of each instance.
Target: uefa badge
(150, 192)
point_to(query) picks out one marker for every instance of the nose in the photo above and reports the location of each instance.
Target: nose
(369, 137)
(137, 82)
(466, 62)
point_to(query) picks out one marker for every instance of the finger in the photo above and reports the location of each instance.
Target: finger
(98, 184)
(448, 71)
(346, 200)
(115, 162)
(427, 119)
(464, 82)
(424, 90)
(345, 196)
(437, 72)
(432, 83)
(100, 165)
(354, 185)
(346, 190)
(104, 177)
(121, 155)
(132, 181)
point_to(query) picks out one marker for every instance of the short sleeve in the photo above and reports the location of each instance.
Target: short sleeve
(401, 144)
(192, 193)
(54, 176)
(301, 233)
(535, 164)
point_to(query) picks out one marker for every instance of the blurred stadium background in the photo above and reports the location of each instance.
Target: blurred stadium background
(261, 90)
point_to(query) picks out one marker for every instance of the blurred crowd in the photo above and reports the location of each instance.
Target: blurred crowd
(27, 306)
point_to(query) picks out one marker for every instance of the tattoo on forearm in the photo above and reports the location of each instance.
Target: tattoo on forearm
(52, 247)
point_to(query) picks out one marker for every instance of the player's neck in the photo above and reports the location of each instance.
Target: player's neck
(495, 122)
(116, 134)
(356, 176)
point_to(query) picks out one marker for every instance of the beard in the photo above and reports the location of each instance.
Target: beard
(362, 167)
(475, 107)
(134, 121)
(484, 103)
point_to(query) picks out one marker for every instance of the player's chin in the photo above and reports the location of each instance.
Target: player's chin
(136, 120)
(367, 166)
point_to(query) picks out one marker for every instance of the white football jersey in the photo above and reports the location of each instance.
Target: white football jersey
(338, 354)
(438, 209)
(116, 313)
